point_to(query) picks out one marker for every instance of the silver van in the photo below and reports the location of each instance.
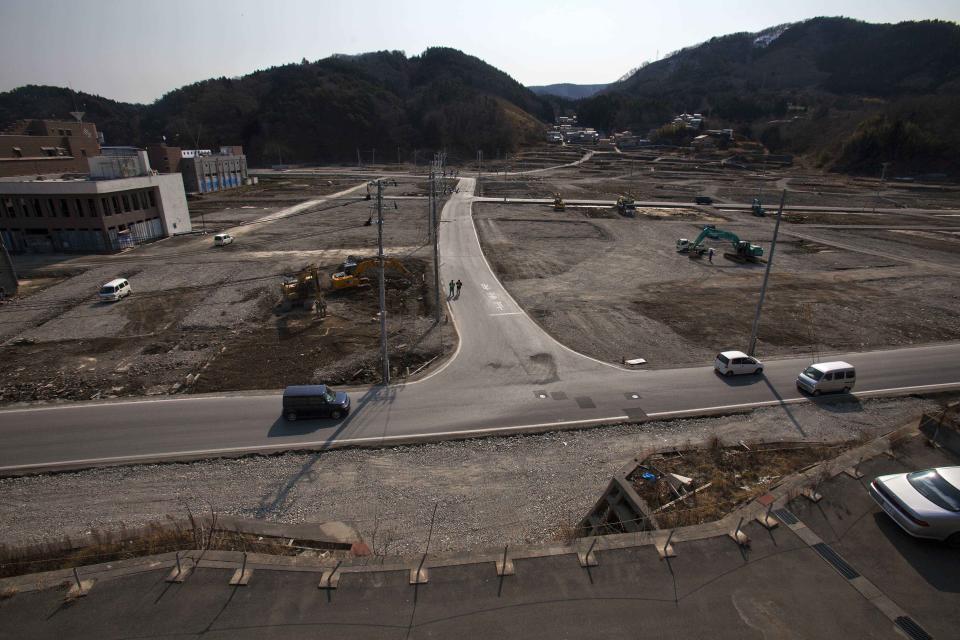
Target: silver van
(824, 377)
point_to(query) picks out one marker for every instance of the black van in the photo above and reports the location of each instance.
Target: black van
(314, 401)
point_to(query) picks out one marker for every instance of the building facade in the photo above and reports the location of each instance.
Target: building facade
(47, 146)
(203, 170)
(215, 172)
(64, 215)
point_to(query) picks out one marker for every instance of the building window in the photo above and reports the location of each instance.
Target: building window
(8, 208)
(64, 208)
(126, 203)
(116, 205)
(92, 207)
(37, 209)
(153, 201)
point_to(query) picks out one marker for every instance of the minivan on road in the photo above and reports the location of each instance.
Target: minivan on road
(314, 401)
(824, 377)
(222, 239)
(114, 290)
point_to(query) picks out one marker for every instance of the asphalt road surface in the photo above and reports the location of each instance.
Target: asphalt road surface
(508, 375)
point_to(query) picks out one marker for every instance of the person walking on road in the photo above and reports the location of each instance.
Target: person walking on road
(710, 255)
(459, 284)
(451, 290)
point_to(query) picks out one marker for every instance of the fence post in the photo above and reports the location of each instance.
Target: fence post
(80, 587)
(738, 536)
(588, 559)
(666, 551)
(505, 565)
(241, 577)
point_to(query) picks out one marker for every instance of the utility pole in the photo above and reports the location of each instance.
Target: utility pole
(766, 277)
(383, 289)
(883, 174)
(435, 237)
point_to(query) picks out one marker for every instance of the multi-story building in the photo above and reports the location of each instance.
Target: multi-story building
(47, 146)
(203, 170)
(121, 204)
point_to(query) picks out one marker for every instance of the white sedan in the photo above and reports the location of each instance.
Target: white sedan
(925, 504)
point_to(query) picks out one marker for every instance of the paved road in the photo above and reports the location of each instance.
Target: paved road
(507, 375)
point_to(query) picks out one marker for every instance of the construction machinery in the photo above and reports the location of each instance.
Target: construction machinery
(743, 251)
(352, 275)
(558, 204)
(303, 289)
(627, 207)
(757, 209)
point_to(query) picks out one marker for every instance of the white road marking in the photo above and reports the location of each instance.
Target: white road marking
(508, 313)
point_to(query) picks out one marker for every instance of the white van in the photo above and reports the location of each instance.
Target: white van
(222, 239)
(824, 377)
(114, 290)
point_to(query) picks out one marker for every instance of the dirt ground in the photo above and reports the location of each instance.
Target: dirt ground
(200, 316)
(614, 287)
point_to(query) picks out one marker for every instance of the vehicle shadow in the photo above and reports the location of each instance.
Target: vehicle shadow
(837, 402)
(741, 381)
(936, 562)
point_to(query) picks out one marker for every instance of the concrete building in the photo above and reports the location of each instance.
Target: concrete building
(108, 211)
(203, 170)
(47, 146)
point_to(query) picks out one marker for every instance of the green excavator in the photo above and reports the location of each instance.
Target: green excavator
(743, 251)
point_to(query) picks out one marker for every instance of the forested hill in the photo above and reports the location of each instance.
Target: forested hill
(321, 111)
(854, 93)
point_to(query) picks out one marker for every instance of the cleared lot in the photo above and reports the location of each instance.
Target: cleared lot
(212, 311)
(614, 287)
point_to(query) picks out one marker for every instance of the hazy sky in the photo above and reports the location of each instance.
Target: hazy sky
(137, 50)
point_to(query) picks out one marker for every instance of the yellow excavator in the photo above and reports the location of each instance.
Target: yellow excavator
(352, 275)
(303, 289)
(558, 204)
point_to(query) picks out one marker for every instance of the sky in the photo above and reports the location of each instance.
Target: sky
(137, 50)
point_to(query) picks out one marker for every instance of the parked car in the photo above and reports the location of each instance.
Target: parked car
(114, 290)
(314, 401)
(222, 239)
(925, 504)
(824, 377)
(731, 363)
(703, 200)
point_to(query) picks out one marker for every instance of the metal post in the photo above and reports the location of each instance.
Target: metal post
(435, 231)
(179, 568)
(76, 576)
(383, 290)
(739, 524)
(766, 277)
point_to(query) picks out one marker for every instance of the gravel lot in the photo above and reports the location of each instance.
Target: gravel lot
(494, 491)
